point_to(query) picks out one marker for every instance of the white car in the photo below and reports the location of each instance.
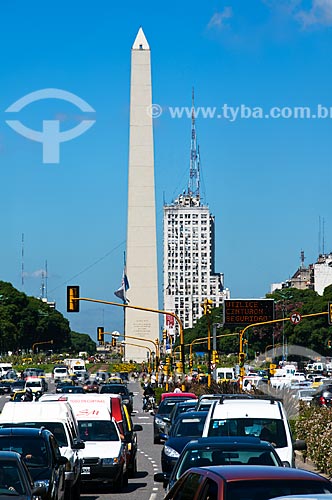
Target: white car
(261, 416)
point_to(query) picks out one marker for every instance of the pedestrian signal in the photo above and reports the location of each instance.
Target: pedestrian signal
(113, 342)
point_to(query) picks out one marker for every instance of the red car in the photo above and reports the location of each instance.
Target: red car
(90, 386)
(247, 482)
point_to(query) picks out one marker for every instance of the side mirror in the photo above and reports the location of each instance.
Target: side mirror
(163, 437)
(62, 460)
(78, 445)
(131, 394)
(161, 477)
(166, 419)
(299, 445)
(137, 427)
(152, 413)
(39, 492)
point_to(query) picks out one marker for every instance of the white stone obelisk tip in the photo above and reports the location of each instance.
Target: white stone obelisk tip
(140, 42)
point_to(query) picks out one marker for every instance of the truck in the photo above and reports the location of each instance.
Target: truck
(225, 375)
(76, 366)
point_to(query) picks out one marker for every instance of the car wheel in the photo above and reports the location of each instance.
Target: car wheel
(133, 469)
(119, 483)
(156, 440)
(76, 490)
(125, 479)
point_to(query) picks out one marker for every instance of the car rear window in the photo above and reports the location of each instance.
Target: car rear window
(32, 449)
(272, 430)
(263, 490)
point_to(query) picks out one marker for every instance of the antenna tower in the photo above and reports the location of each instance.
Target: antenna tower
(193, 187)
(22, 261)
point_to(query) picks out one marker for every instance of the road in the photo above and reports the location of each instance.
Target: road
(142, 487)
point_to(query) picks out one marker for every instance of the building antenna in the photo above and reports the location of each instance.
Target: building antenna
(193, 187)
(323, 237)
(319, 234)
(302, 259)
(22, 261)
(46, 278)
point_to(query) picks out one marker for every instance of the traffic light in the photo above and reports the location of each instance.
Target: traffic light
(168, 361)
(206, 306)
(241, 359)
(209, 304)
(329, 344)
(164, 334)
(272, 368)
(330, 313)
(100, 335)
(113, 342)
(73, 292)
(191, 363)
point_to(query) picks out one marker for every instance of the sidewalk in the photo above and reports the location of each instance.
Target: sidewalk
(307, 465)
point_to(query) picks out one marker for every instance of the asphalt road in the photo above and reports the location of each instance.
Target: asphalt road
(142, 487)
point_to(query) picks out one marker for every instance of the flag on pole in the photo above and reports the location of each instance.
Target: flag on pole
(121, 292)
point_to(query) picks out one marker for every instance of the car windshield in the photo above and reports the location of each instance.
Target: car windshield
(264, 490)
(10, 475)
(97, 430)
(188, 427)
(57, 429)
(272, 430)
(32, 449)
(208, 456)
(166, 407)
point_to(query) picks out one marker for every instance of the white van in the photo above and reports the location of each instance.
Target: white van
(263, 417)
(104, 455)
(225, 374)
(60, 373)
(57, 417)
(4, 368)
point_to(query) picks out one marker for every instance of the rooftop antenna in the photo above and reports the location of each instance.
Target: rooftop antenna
(193, 187)
(323, 237)
(22, 261)
(302, 259)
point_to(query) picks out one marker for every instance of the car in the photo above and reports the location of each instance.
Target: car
(251, 482)
(62, 384)
(159, 422)
(91, 386)
(15, 479)
(41, 454)
(256, 416)
(186, 395)
(305, 395)
(179, 408)
(17, 396)
(101, 377)
(16, 385)
(58, 418)
(323, 397)
(187, 426)
(204, 452)
(5, 385)
(122, 390)
(72, 389)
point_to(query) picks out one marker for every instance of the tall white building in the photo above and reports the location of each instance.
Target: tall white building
(189, 247)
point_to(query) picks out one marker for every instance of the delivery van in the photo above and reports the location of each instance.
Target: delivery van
(104, 455)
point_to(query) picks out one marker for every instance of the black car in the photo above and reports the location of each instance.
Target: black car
(226, 450)
(179, 408)
(16, 385)
(122, 390)
(72, 389)
(159, 422)
(42, 456)
(15, 479)
(187, 426)
(5, 386)
(323, 397)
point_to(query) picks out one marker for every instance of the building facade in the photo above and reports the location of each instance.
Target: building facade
(189, 260)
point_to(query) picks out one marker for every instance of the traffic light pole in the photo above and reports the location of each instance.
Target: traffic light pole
(73, 298)
(242, 332)
(209, 352)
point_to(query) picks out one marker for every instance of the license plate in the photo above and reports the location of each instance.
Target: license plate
(85, 470)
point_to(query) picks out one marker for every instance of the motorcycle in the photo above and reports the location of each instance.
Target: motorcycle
(149, 403)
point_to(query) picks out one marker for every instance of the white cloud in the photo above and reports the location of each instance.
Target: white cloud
(218, 18)
(320, 13)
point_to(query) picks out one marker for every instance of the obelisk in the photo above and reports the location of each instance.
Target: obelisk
(141, 224)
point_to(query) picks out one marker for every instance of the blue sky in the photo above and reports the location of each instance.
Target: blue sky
(267, 181)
